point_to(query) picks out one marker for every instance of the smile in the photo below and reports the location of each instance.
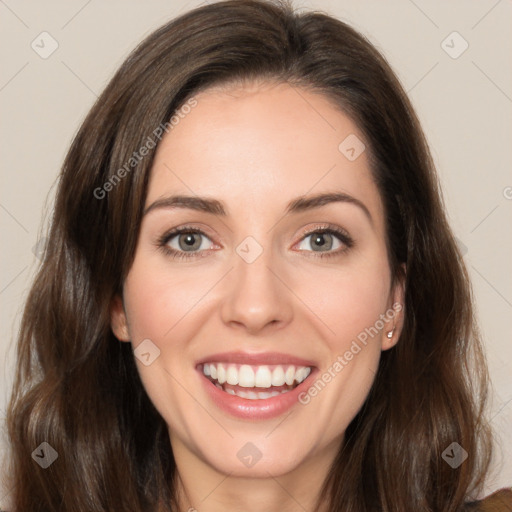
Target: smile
(255, 386)
(247, 381)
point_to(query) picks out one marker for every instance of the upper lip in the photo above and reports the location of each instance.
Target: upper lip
(256, 359)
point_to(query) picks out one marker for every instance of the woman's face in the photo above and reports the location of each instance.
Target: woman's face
(255, 291)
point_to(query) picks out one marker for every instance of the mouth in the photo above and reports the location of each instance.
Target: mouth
(246, 390)
(255, 382)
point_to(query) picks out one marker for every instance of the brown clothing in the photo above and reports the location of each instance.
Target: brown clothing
(499, 501)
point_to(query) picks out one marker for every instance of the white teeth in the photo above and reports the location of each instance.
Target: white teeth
(302, 374)
(289, 376)
(278, 376)
(232, 376)
(221, 374)
(261, 376)
(254, 395)
(246, 376)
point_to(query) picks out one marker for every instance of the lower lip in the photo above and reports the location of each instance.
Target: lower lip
(263, 409)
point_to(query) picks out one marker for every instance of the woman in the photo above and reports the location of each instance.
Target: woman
(183, 348)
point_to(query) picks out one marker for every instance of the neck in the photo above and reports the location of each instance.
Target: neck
(199, 487)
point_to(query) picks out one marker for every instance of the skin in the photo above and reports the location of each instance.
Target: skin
(256, 148)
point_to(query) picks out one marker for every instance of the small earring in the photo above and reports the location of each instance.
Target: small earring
(390, 334)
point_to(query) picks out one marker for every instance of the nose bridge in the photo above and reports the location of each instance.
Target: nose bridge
(256, 296)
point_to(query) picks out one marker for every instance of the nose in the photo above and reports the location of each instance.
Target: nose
(257, 297)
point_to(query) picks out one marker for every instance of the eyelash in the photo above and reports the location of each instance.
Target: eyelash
(162, 242)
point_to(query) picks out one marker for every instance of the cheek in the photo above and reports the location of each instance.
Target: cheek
(160, 306)
(157, 299)
(347, 301)
(349, 304)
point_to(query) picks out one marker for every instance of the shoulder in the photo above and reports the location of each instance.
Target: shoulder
(499, 501)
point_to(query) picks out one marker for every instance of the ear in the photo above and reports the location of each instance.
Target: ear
(118, 321)
(394, 316)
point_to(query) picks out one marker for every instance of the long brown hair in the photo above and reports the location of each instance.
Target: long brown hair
(77, 388)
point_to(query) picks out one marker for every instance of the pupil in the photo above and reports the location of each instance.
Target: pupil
(320, 239)
(188, 240)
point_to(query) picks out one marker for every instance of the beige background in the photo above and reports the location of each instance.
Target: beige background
(464, 103)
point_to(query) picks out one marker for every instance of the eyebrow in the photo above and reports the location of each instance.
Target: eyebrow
(216, 207)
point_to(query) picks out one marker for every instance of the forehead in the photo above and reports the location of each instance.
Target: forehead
(260, 145)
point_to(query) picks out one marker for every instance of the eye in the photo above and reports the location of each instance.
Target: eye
(189, 242)
(184, 242)
(326, 240)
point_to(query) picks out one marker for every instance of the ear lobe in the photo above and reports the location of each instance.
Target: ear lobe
(395, 313)
(118, 321)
